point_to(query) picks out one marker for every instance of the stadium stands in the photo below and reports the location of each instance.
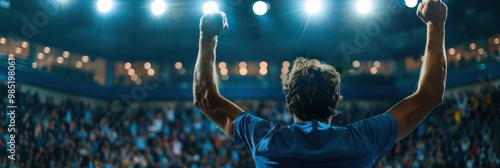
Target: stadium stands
(71, 132)
(113, 88)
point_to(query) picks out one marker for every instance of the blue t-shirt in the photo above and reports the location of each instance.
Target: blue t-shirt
(314, 143)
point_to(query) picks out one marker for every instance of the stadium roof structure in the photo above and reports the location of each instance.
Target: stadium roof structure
(130, 31)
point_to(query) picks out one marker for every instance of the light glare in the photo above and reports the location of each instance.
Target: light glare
(242, 64)
(263, 71)
(19, 50)
(127, 65)
(46, 50)
(151, 72)
(210, 7)
(356, 64)
(178, 65)
(60, 60)
(222, 65)
(451, 51)
(65, 54)
(78, 64)
(286, 64)
(158, 7)
(134, 77)
(376, 64)
(85, 59)
(24, 44)
(260, 8)
(40, 56)
(373, 70)
(313, 6)
(472, 46)
(223, 71)
(243, 71)
(411, 3)
(104, 5)
(284, 70)
(131, 72)
(364, 6)
(263, 64)
(147, 65)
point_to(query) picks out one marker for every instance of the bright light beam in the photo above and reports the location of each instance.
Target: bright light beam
(313, 6)
(364, 6)
(104, 5)
(210, 7)
(260, 8)
(158, 7)
(411, 3)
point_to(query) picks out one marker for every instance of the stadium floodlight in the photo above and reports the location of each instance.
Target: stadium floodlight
(104, 5)
(260, 8)
(178, 65)
(364, 6)
(411, 3)
(356, 64)
(313, 6)
(85, 59)
(210, 7)
(373, 70)
(60, 60)
(158, 7)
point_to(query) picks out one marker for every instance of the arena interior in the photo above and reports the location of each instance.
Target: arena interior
(108, 83)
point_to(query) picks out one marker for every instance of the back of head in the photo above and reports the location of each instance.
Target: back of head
(312, 90)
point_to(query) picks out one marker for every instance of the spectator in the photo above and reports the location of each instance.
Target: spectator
(461, 132)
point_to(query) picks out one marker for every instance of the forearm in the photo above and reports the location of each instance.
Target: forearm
(204, 74)
(433, 73)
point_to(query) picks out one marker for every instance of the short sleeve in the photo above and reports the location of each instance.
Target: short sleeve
(249, 130)
(380, 131)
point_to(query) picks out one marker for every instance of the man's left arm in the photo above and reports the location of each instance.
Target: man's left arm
(206, 95)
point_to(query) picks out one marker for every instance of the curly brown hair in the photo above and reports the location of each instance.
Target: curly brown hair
(312, 90)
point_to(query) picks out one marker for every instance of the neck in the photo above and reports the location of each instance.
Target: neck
(326, 121)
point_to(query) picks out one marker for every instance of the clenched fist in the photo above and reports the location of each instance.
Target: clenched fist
(432, 11)
(213, 24)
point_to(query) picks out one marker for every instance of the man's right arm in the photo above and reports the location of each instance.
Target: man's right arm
(431, 85)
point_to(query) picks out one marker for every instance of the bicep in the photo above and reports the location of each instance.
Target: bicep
(410, 112)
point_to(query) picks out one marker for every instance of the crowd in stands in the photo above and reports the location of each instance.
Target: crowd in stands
(461, 132)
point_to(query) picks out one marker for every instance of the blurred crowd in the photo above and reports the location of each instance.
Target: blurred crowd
(461, 132)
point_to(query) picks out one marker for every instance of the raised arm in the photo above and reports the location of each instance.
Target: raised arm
(431, 85)
(205, 91)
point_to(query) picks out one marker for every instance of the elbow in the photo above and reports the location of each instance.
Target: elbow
(433, 97)
(439, 97)
(198, 99)
(436, 97)
(199, 93)
(204, 98)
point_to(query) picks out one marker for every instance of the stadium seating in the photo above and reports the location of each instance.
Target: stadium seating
(461, 131)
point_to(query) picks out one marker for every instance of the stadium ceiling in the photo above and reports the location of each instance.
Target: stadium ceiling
(129, 31)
